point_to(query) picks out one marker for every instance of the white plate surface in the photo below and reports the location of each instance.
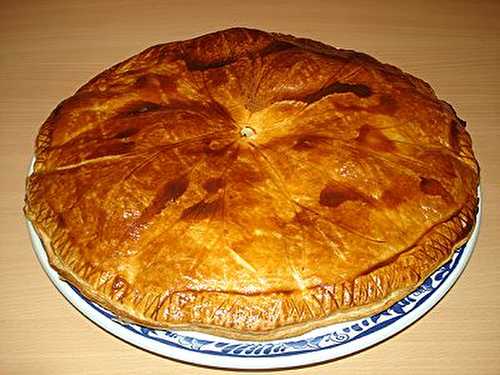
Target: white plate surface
(320, 345)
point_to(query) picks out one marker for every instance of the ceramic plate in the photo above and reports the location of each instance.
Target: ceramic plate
(320, 345)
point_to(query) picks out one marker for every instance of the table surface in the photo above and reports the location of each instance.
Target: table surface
(49, 48)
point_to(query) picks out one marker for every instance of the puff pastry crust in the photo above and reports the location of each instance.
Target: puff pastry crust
(252, 185)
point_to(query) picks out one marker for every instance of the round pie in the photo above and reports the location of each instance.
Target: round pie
(252, 185)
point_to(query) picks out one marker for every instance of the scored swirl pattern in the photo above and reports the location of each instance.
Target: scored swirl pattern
(156, 197)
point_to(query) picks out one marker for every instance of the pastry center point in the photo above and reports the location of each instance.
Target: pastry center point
(247, 132)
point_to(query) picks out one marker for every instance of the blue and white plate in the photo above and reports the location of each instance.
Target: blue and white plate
(316, 346)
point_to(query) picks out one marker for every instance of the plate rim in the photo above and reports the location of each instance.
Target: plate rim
(277, 361)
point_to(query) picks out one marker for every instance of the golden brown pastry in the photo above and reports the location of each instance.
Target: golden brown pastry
(251, 185)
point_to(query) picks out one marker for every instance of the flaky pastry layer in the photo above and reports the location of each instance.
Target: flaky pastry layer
(251, 185)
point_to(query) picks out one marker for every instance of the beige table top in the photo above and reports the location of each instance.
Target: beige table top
(49, 48)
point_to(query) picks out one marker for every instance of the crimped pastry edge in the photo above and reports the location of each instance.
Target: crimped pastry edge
(468, 212)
